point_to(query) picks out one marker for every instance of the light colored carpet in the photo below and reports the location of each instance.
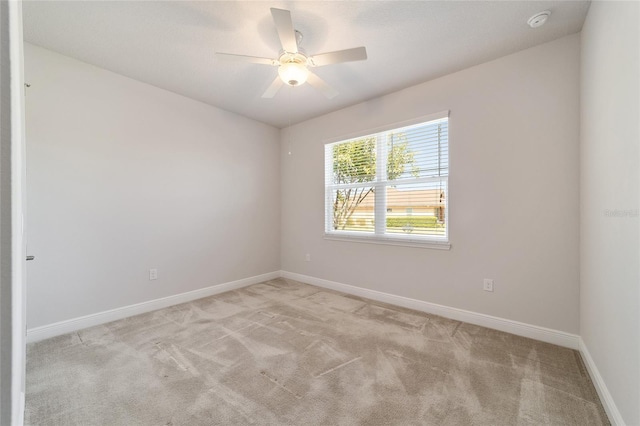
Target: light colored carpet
(282, 352)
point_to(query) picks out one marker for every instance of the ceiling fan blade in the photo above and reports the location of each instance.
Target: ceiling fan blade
(273, 88)
(286, 32)
(347, 55)
(320, 84)
(244, 58)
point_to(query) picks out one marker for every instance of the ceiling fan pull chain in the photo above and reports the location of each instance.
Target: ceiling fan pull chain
(289, 126)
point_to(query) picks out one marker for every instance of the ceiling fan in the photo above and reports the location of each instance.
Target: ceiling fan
(293, 62)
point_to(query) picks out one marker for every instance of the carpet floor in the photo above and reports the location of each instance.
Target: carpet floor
(286, 353)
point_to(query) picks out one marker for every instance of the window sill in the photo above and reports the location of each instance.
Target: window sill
(392, 241)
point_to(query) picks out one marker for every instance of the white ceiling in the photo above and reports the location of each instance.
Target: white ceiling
(171, 44)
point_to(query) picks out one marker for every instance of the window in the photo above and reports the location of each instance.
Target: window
(390, 186)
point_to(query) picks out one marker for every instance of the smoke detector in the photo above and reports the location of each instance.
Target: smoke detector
(539, 19)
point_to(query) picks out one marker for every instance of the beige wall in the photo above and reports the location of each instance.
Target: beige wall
(514, 152)
(610, 175)
(123, 177)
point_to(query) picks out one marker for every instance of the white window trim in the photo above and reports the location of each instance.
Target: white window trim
(395, 240)
(439, 243)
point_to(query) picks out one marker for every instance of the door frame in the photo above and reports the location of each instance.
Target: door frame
(18, 198)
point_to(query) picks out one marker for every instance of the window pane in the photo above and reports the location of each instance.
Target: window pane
(418, 151)
(401, 157)
(353, 209)
(417, 209)
(354, 161)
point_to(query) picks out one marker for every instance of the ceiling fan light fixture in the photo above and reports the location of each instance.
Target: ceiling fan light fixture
(293, 73)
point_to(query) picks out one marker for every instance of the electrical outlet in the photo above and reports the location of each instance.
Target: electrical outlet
(307, 257)
(487, 285)
(153, 274)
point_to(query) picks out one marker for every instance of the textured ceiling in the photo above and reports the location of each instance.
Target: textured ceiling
(171, 44)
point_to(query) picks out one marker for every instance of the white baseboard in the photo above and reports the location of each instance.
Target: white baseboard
(63, 327)
(607, 400)
(548, 335)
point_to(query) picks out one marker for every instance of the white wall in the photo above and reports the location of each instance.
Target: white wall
(610, 174)
(123, 177)
(513, 192)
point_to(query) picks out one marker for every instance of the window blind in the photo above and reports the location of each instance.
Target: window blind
(392, 184)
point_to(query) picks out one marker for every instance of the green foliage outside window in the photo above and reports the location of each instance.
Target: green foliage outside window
(354, 162)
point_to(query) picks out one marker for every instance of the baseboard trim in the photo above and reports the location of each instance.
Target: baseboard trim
(543, 334)
(63, 327)
(603, 392)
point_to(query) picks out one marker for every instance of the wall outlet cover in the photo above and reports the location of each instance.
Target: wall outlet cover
(487, 285)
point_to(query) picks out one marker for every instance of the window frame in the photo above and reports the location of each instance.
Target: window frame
(377, 237)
